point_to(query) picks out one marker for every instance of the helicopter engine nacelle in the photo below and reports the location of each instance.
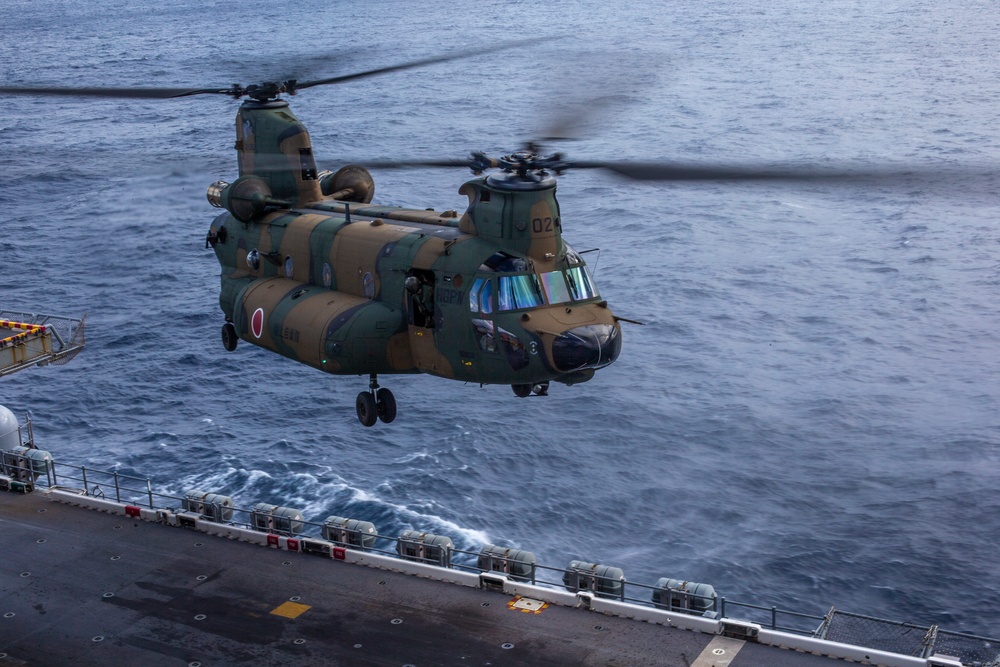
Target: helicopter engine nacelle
(246, 198)
(352, 183)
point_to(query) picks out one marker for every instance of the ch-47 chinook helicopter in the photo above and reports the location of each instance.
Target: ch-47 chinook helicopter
(312, 270)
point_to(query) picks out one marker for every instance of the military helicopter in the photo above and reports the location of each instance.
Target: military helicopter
(312, 270)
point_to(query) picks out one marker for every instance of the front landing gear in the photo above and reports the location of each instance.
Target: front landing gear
(525, 390)
(375, 404)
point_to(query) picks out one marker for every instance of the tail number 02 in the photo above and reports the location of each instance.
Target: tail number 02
(540, 225)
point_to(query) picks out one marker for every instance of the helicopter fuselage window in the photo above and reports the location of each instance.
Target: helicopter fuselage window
(517, 355)
(485, 336)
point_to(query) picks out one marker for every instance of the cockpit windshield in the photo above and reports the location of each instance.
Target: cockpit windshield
(517, 292)
(528, 290)
(556, 290)
(580, 285)
(573, 284)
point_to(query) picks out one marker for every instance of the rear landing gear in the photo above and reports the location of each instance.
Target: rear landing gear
(376, 403)
(367, 410)
(385, 404)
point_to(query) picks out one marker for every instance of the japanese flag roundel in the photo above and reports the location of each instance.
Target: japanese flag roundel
(257, 322)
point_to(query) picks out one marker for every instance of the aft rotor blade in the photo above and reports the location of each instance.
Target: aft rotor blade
(389, 164)
(492, 48)
(140, 93)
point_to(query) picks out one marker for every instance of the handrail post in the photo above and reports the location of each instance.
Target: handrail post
(86, 489)
(774, 618)
(118, 495)
(722, 607)
(149, 489)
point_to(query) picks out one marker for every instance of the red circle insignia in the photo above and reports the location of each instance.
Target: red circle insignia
(257, 322)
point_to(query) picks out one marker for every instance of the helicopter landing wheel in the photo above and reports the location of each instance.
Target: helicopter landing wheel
(367, 410)
(385, 405)
(541, 389)
(521, 390)
(229, 336)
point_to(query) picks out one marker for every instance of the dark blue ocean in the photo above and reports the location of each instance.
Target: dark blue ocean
(809, 417)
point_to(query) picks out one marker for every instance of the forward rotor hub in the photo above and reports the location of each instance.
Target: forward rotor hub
(526, 162)
(264, 92)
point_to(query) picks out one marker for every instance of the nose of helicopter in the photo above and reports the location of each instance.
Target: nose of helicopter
(592, 346)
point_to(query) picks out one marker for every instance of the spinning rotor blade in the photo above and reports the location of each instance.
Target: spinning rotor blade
(406, 164)
(939, 178)
(837, 174)
(266, 90)
(415, 63)
(140, 93)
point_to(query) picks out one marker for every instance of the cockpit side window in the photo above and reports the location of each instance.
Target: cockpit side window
(486, 298)
(481, 296)
(474, 291)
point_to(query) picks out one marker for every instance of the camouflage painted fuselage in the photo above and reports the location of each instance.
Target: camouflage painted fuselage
(494, 296)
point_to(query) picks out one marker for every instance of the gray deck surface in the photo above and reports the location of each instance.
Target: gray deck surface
(85, 588)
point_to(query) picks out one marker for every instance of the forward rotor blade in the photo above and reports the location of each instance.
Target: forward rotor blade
(846, 174)
(417, 63)
(140, 93)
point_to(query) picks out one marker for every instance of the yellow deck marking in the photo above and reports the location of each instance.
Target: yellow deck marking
(527, 605)
(290, 609)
